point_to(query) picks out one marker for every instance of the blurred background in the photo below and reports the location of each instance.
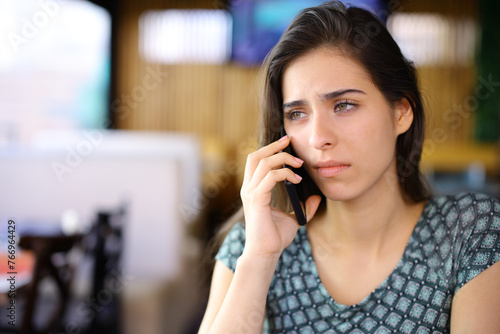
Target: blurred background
(124, 129)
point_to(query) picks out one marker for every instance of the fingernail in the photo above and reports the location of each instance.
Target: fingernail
(298, 177)
(299, 160)
(283, 138)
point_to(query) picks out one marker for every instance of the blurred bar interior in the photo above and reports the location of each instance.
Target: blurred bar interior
(124, 129)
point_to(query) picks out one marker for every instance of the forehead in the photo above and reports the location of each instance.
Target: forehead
(326, 70)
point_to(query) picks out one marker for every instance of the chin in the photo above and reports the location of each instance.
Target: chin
(340, 193)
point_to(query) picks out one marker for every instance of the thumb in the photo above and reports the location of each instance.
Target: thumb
(312, 205)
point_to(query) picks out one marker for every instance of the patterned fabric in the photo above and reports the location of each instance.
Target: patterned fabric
(455, 239)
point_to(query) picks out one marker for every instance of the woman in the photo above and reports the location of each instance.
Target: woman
(378, 253)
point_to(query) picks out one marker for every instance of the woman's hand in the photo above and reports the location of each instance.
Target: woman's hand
(268, 230)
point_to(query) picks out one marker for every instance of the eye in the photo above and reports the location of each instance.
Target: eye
(294, 115)
(344, 106)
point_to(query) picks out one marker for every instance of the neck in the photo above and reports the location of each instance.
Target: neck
(367, 224)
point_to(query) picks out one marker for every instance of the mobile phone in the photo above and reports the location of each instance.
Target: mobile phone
(291, 189)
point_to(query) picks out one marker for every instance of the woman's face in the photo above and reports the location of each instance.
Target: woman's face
(341, 125)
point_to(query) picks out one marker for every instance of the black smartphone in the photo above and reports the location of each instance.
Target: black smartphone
(301, 191)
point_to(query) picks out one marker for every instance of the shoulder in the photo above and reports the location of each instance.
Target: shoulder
(464, 208)
(467, 216)
(236, 233)
(473, 220)
(232, 247)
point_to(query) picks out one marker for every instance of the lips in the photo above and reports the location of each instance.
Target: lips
(330, 168)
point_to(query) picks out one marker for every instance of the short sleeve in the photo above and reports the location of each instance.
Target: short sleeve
(232, 247)
(480, 233)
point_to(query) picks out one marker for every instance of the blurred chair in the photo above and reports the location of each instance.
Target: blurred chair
(52, 261)
(105, 245)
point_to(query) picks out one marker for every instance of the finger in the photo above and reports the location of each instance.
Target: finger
(254, 158)
(262, 191)
(312, 205)
(271, 163)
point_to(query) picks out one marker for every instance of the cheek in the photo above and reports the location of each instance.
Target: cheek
(299, 140)
(299, 146)
(375, 139)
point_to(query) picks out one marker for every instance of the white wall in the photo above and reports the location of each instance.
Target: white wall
(88, 171)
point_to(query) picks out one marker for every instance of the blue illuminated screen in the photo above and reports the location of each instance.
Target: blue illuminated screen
(258, 24)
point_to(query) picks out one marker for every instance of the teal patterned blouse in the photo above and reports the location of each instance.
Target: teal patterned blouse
(455, 239)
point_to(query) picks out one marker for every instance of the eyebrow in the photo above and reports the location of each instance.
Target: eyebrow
(323, 97)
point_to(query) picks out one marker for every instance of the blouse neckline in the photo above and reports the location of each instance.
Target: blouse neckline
(378, 291)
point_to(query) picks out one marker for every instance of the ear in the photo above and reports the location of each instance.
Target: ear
(403, 113)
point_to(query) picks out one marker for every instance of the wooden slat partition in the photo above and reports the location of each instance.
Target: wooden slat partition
(445, 91)
(211, 100)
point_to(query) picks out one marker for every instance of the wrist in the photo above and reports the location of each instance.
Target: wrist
(257, 262)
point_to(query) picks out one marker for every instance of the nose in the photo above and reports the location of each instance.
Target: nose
(322, 135)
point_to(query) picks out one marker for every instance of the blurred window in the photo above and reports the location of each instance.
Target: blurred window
(432, 39)
(54, 66)
(185, 36)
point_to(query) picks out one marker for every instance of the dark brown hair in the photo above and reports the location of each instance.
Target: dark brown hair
(356, 33)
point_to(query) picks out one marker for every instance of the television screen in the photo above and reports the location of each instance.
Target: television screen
(258, 24)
